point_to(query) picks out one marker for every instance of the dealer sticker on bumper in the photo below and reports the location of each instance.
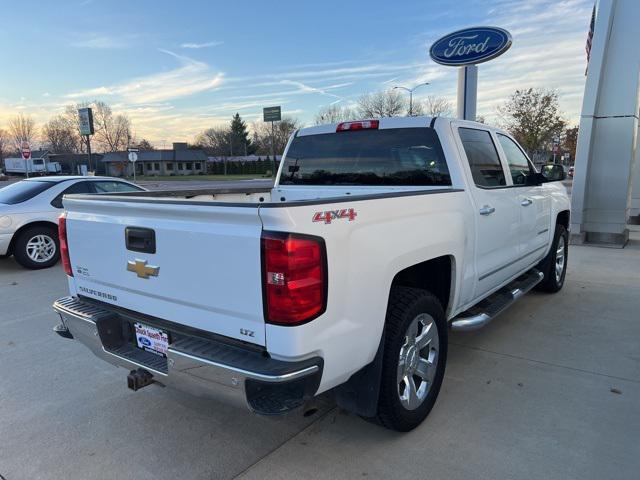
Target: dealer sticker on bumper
(152, 339)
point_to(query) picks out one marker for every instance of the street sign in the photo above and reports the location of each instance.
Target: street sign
(85, 116)
(26, 150)
(133, 157)
(271, 114)
(470, 46)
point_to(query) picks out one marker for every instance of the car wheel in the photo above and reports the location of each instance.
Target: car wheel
(554, 266)
(37, 247)
(414, 359)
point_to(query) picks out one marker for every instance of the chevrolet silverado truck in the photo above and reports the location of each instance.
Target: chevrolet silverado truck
(345, 276)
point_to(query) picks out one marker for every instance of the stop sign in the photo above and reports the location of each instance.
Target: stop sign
(26, 151)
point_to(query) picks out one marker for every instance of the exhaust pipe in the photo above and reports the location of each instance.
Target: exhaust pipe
(138, 379)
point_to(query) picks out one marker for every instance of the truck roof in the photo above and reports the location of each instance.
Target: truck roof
(390, 122)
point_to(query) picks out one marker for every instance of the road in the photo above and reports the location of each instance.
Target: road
(548, 390)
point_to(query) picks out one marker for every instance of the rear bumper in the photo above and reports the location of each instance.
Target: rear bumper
(200, 366)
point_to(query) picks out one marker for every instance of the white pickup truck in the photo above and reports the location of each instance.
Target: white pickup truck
(377, 237)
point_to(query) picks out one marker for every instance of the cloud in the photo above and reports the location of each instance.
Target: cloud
(200, 45)
(191, 77)
(102, 42)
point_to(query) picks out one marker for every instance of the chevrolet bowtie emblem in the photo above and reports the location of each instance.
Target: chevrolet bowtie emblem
(140, 268)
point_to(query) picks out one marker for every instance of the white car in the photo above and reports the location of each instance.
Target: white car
(29, 212)
(378, 236)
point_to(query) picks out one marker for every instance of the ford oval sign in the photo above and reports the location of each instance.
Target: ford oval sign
(470, 46)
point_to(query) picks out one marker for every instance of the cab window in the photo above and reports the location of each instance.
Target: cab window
(483, 158)
(519, 164)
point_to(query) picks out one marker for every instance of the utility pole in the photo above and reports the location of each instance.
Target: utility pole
(410, 90)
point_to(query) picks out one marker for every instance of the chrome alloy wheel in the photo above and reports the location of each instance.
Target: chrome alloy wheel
(41, 248)
(418, 361)
(560, 259)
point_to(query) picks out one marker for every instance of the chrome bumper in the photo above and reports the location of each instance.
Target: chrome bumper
(243, 378)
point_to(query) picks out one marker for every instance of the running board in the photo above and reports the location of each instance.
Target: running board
(489, 308)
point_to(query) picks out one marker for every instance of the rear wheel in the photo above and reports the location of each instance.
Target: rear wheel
(415, 354)
(37, 247)
(554, 266)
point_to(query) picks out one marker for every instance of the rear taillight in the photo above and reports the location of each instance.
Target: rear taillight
(294, 277)
(64, 245)
(359, 125)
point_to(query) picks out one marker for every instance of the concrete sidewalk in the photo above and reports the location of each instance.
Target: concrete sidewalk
(551, 389)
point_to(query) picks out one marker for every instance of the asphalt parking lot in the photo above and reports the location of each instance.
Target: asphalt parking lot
(551, 389)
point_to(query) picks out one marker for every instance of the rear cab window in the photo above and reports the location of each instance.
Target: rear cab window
(484, 161)
(22, 191)
(393, 157)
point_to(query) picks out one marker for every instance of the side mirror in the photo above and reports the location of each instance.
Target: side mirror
(553, 173)
(535, 179)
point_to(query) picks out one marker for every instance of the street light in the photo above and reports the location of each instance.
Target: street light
(410, 90)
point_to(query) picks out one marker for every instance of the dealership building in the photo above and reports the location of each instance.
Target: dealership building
(179, 160)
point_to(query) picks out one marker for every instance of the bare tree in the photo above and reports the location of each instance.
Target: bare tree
(282, 132)
(21, 129)
(4, 145)
(216, 141)
(389, 103)
(433, 107)
(334, 114)
(533, 117)
(59, 136)
(112, 132)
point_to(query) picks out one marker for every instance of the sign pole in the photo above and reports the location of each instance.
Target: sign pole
(467, 92)
(89, 150)
(273, 155)
(272, 114)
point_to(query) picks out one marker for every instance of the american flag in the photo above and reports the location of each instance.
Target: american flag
(592, 26)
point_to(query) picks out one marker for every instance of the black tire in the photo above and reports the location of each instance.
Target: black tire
(22, 241)
(405, 306)
(552, 282)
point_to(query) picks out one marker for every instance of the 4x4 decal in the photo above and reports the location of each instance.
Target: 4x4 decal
(330, 215)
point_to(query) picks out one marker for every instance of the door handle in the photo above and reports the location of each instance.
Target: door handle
(526, 202)
(487, 210)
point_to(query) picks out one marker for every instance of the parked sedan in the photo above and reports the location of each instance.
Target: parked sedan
(29, 212)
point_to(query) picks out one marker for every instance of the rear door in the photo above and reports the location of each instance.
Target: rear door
(192, 263)
(497, 238)
(534, 204)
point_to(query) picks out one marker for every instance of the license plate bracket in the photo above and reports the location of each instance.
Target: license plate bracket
(151, 339)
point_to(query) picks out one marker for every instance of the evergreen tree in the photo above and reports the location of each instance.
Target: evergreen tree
(240, 142)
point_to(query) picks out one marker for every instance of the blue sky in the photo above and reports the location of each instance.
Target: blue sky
(178, 67)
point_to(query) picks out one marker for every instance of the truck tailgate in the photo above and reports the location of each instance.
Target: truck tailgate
(207, 259)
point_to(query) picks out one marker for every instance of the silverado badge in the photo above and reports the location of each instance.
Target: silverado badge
(140, 268)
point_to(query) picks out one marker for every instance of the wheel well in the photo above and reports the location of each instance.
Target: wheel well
(29, 225)
(433, 275)
(563, 219)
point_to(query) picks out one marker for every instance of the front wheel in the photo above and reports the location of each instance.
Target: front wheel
(415, 355)
(554, 266)
(37, 247)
